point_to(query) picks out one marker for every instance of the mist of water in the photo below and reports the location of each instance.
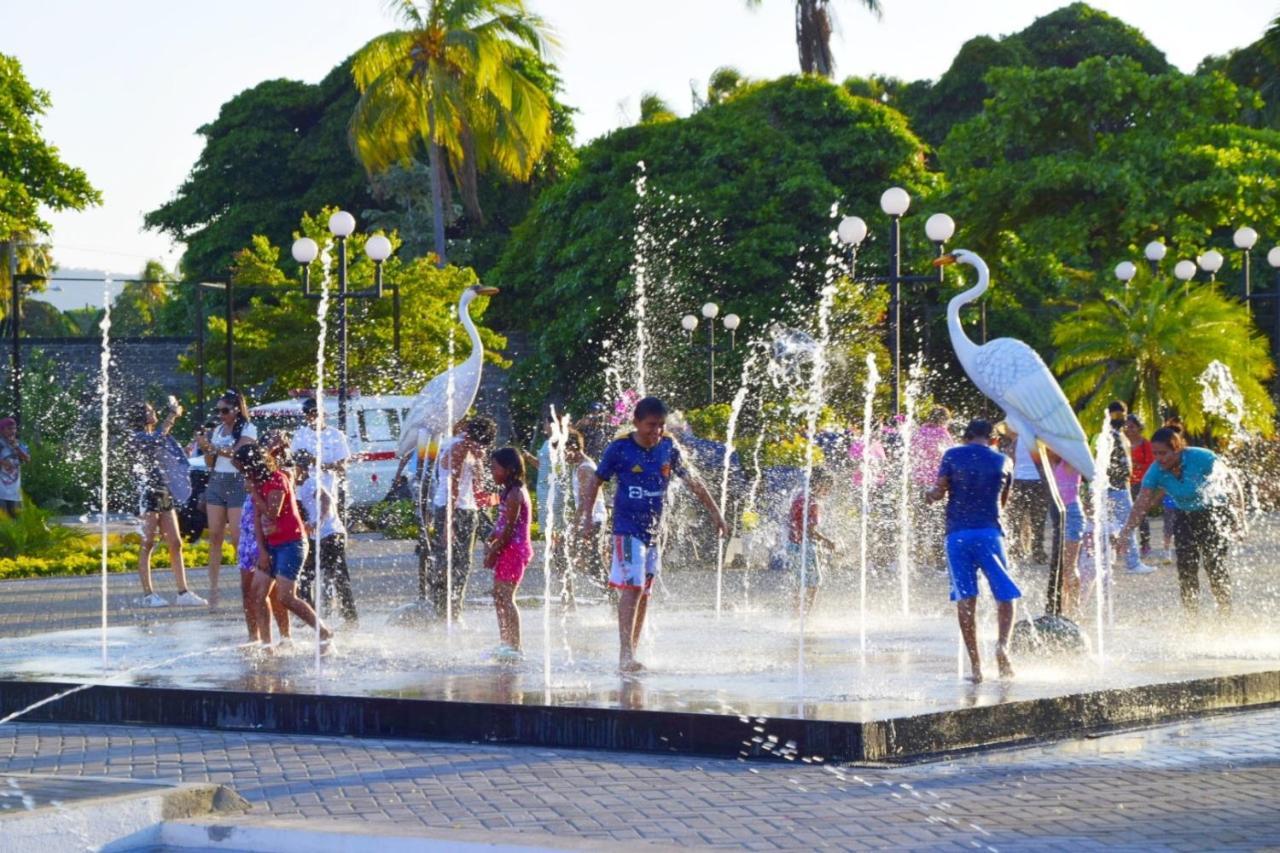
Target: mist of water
(731, 431)
(322, 335)
(104, 395)
(864, 517)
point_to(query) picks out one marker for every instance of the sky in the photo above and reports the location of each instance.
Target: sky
(131, 80)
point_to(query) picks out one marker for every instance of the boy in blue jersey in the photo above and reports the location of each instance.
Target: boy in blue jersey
(976, 480)
(644, 463)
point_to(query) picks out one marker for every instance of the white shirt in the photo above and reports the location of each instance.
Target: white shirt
(224, 439)
(466, 498)
(1024, 466)
(332, 442)
(324, 523)
(597, 511)
(11, 472)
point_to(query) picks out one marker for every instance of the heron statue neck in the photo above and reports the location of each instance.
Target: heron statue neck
(963, 345)
(464, 314)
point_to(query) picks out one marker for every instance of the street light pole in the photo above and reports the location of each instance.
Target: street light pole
(1244, 239)
(378, 248)
(939, 228)
(689, 323)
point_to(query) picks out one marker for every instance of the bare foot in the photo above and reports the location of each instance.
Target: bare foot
(1002, 658)
(630, 666)
(976, 677)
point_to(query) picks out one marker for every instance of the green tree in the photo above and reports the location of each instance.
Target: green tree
(814, 25)
(269, 356)
(1067, 171)
(654, 109)
(138, 307)
(274, 150)
(455, 83)
(1149, 343)
(43, 320)
(724, 81)
(738, 203)
(32, 175)
(1061, 39)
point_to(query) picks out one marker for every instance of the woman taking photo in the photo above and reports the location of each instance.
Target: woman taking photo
(225, 493)
(1205, 494)
(156, 503)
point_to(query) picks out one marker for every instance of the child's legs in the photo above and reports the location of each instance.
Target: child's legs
(504, 602)
(333, 556)
(169, 529)
(966, 608)
(217, 516)
(247, 600)
(260, 588)
(149, 523)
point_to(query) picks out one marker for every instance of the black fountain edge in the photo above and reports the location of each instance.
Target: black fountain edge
(897, 740)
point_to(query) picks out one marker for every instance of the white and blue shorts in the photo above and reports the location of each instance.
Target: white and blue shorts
(634, 564)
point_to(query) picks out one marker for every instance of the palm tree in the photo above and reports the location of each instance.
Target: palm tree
(1149, 344)
(452, 82)
(813, 33)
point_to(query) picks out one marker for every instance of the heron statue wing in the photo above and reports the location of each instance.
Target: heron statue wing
(1034, 397)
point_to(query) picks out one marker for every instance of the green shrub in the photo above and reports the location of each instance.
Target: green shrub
(30, 533)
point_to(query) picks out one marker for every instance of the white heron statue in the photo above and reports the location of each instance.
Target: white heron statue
(430, 410)
(1016, 379)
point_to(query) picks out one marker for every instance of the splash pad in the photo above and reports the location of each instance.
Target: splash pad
(724, 687)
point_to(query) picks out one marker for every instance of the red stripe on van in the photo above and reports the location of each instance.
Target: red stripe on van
(375, 455)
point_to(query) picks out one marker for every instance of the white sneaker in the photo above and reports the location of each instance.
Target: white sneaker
(1141, 569)
(187, 598)
(155, 600)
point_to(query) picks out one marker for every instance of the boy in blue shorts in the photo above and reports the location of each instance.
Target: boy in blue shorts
(644, 463)
(976, 479)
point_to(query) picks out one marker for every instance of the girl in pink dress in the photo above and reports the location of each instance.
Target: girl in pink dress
(509, 550)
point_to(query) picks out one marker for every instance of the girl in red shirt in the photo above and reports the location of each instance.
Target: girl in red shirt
(282, 543)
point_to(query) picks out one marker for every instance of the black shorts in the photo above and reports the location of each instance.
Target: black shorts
(156, 500)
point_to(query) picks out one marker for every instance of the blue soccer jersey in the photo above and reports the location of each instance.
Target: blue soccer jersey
(643, 476)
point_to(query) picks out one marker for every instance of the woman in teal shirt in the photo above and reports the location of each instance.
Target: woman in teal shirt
(1203, 490)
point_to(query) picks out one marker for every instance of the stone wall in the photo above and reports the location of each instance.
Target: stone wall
(138, 365)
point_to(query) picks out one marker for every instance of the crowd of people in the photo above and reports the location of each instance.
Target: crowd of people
(275, 499)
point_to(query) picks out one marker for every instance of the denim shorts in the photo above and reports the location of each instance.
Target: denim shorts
(225, 490)
(287, 559)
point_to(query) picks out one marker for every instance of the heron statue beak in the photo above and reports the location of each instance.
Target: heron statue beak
(486, 291)
(945, 260)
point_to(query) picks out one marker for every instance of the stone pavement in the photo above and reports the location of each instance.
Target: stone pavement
(1208, 784)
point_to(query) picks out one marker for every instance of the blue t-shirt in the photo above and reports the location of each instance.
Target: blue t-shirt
(1195, 489)
(978, 476)
(643, 476)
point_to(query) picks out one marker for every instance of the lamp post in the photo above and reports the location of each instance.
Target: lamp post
(342, 225)
(939, 228)
(1125, 271)
(689, 323)
(305, 250)
(1211, 262)
(1155, 252)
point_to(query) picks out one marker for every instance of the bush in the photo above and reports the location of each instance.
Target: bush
(29, 532)
(61, 551)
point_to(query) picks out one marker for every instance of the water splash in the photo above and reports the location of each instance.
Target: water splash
(322, 320)
(731, 431)
(910, 392)
(555, 441)
(864, 517)
(640, 274)
(450, 416)
(104, 394)
(1101, 534)
(1221, 396)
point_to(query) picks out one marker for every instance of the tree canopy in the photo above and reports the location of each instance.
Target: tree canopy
(738, 201)
(1067, 171)
(1151, 342)
(276, 337)
(275, 150)
(32, 175)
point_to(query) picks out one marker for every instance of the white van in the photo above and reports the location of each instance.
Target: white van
(373, 431)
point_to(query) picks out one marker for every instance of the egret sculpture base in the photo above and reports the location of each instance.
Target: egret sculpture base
(1048, 636)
